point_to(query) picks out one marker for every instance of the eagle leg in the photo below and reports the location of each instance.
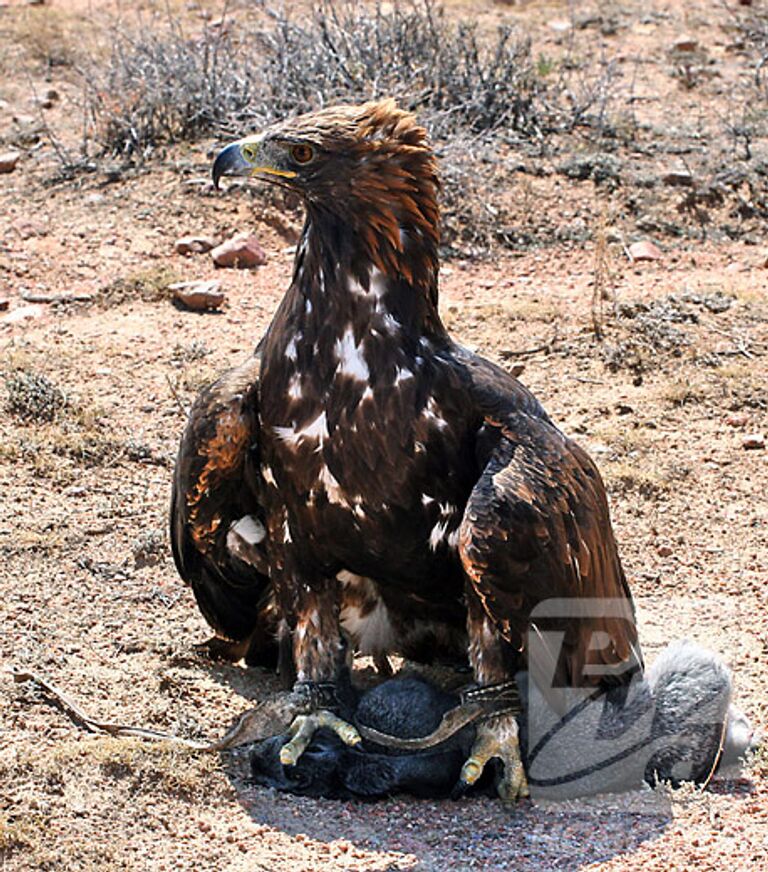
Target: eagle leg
(497, 737)
(319, 653)
(493, 661)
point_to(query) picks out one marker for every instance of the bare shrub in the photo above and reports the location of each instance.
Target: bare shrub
(33, 397)
(162, 86)
(159, 86)
(746, 121)
(457, 81)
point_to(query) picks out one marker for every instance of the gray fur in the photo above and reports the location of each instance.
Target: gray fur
(667, 725)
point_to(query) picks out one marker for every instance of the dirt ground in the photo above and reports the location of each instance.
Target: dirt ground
(667, 402)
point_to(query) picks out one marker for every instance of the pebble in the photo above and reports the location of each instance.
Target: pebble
(678, 178)
(199, 295)
(664, 551)
(4, 303)
(738, 419)
(753, 441)
(8, 161)
(644, 250)
(685, 43)
(242, 251)
(194, 244)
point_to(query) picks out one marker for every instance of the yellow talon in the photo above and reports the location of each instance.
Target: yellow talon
(303, 729)
(497, 737)
(471, 771)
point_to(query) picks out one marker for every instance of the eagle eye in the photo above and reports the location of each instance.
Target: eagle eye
(250, 152)
(302, 154)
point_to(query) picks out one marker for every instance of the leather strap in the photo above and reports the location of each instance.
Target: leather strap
(319, 694)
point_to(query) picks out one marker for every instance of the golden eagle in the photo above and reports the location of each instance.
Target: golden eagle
(366, 478)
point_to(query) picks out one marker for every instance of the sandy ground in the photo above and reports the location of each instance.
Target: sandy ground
(88, 594)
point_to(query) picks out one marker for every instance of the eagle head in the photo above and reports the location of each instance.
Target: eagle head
(371, 167)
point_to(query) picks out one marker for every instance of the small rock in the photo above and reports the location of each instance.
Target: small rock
(8, 161)
(242, 251)
(199, 295)
(4, 303)
(739, 419)
(644, 250)
(194, 244)
(664, 551)
(753, 441)
(685, 44)
(678, 179)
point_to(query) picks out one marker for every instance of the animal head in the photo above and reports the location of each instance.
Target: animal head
(369, 167)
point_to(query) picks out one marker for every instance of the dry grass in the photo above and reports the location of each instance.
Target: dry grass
(743, 385)
(680, 393)
(142, 766)
(150, 286)
(641, 477)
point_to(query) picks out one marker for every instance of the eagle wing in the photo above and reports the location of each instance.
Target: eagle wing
(217, 530)
(537, 546)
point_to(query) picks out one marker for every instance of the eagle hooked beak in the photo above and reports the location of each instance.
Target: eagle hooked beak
(248, 157)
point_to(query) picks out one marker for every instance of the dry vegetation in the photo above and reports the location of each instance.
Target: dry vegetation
(566, 133)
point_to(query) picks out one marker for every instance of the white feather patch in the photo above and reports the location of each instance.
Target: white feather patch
(332, 487)
(378, 282)
(316, 429)
(371, 633)
(290, 349)
(249, 529)
(350, 357)
(437, 534)
(268, 476)
(294, 387)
